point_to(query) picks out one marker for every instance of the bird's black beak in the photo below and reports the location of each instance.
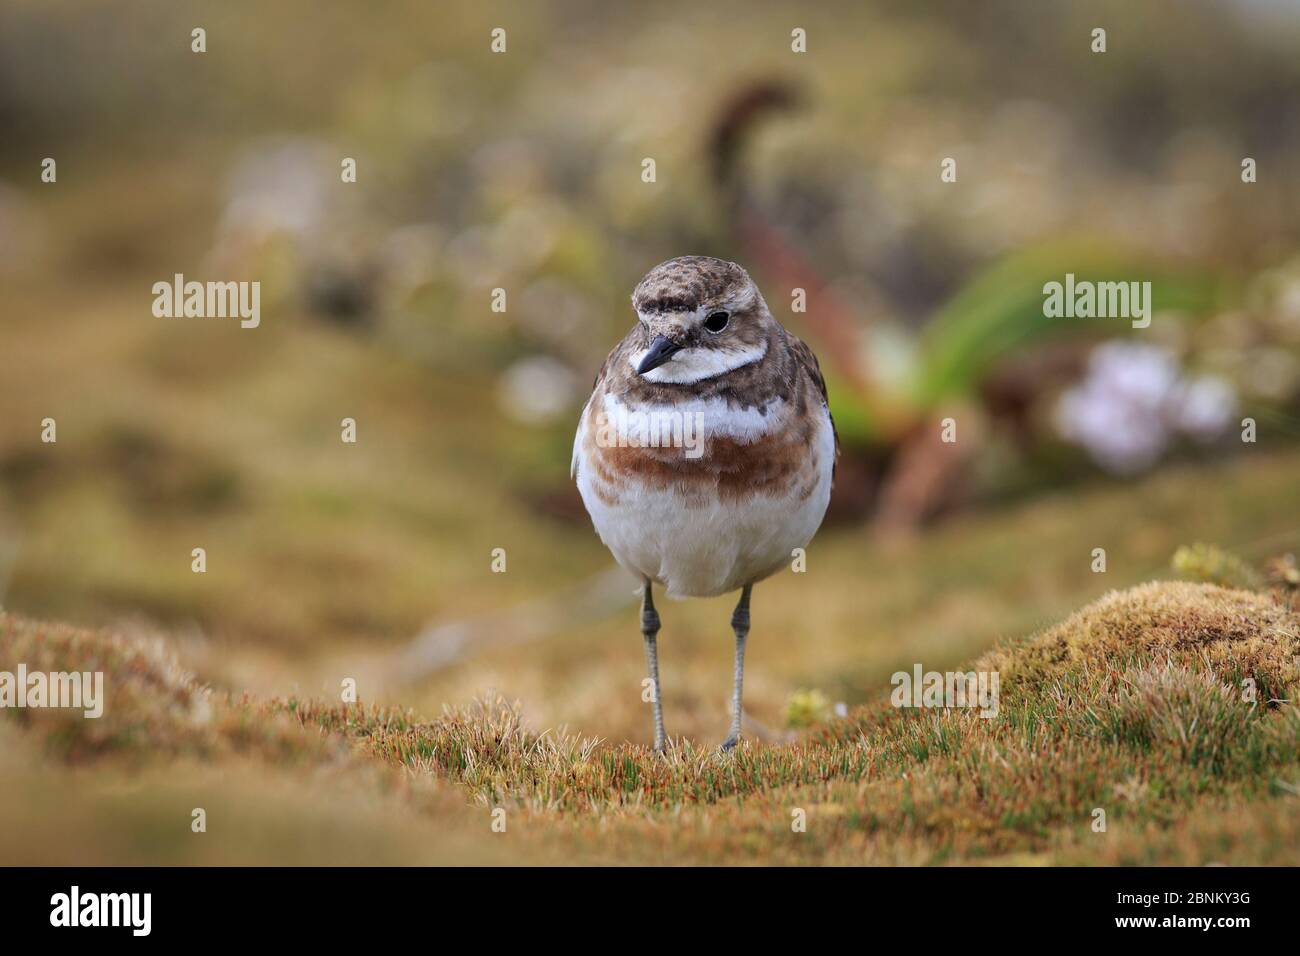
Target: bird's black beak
(661, 350)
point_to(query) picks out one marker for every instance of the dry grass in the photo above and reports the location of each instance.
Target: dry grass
(1133, 704)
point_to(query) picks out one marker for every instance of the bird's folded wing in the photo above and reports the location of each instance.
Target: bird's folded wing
(807, 362)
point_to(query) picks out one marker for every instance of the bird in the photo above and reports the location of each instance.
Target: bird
(706, 453)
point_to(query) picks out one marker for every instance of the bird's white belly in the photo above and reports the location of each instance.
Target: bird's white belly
(708, 548)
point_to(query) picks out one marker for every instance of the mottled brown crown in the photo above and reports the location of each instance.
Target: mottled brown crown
(686, 283)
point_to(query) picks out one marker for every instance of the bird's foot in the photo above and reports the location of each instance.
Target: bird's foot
(729, 744)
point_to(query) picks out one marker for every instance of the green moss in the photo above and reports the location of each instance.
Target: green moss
(1214, 565)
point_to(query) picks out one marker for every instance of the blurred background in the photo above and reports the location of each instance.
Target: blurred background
(523, 171)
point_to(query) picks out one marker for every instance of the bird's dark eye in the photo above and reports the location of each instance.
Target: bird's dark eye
(717, 321)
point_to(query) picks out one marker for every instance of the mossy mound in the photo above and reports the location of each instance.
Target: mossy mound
(1237, 635)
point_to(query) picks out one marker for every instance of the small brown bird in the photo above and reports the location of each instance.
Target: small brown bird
(706, 452)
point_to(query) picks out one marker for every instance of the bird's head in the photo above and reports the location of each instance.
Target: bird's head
(701, 317)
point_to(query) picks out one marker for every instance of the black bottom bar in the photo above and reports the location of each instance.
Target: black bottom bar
(375, 905)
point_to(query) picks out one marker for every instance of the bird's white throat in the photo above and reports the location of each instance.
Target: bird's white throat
(695, 365)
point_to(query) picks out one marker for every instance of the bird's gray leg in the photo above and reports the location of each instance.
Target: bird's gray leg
(649, 631)
(739, 624)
